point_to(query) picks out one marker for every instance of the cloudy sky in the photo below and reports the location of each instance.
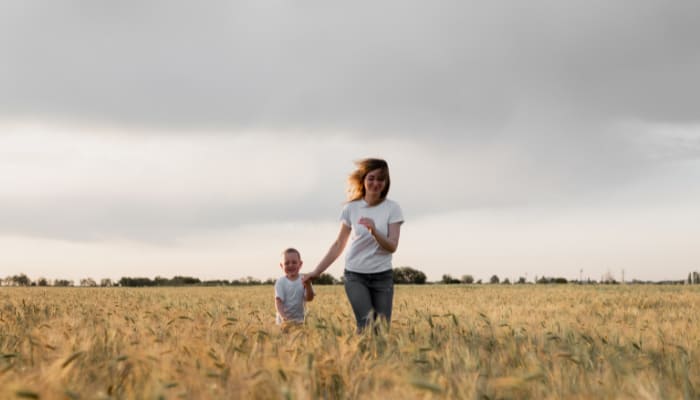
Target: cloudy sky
(162, 138)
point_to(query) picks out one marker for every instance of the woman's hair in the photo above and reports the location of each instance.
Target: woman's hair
(356, 180)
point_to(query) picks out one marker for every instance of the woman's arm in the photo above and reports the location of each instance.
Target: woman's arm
(389, 242)
(333, 253)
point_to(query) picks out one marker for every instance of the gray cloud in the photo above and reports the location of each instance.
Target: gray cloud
(403, 67)
(95, 218)
(505, 104)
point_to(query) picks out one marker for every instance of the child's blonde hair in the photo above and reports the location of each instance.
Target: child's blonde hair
(289, 250)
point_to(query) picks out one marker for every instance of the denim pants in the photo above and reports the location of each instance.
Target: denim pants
(370, 295)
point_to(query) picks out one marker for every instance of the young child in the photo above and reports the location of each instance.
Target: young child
(290, 293)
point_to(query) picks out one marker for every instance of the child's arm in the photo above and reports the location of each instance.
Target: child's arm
(308, 291)
(280, 308)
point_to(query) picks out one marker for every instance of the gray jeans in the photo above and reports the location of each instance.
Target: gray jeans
(370, 295)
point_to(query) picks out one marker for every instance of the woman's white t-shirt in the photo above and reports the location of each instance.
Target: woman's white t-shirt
(365, 255)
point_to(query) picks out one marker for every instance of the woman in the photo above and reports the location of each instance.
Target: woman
(373, 224)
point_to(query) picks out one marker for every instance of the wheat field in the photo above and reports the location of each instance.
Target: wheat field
(455, 341)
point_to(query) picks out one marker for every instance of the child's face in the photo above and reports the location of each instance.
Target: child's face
(291, 264)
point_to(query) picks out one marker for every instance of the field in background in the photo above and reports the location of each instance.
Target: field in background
(473, 342)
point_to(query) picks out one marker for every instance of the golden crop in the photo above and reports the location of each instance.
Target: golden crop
(461, 341)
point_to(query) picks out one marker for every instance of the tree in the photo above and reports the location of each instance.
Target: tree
(408, 275)
(506, 281)
(494, 279)
(42, 282)
(88, 282)
(325, 279)
(221, 282)
(249, 280)
(105, 282)
(448, 279)
(24, 280)
(21, 280)
(161, 281)
(63, 282)
(135, 282)
(545, 279)
(468, 279)
(186, 280)
(521, 280)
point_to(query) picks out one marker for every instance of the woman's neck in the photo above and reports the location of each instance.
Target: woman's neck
(372, 200)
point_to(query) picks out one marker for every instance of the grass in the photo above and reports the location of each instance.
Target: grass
(461, 341)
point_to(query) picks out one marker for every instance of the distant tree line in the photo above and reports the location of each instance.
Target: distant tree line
(23, 280)
(401, 275)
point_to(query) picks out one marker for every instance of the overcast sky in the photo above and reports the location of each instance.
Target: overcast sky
(162, 138)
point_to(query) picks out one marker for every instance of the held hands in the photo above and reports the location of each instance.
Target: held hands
(307, 278)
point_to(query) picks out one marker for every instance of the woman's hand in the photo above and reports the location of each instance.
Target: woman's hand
(367, 223)
(307, 278)
(388, 242)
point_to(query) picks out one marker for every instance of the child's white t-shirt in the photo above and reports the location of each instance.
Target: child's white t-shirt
(292, 295)
(364, 254)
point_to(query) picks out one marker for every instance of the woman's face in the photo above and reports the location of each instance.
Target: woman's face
(375, 181)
